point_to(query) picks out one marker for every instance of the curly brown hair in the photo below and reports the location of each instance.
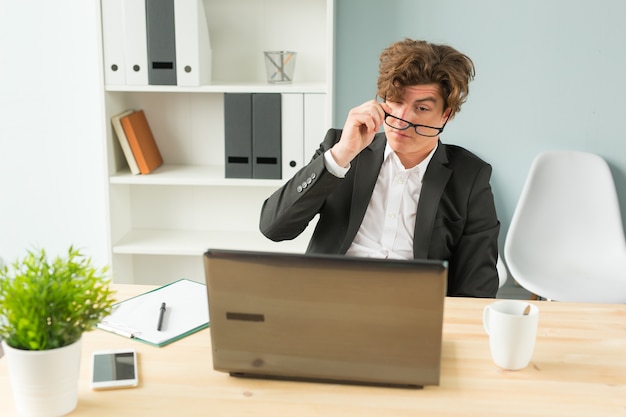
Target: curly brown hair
(414, 62)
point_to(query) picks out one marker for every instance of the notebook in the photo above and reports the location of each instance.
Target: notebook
(184, 312)
(326, 318)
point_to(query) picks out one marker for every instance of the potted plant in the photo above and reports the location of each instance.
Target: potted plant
(45, 307)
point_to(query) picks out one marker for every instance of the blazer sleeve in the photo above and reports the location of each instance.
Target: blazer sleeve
(473, 264)
(289, 210)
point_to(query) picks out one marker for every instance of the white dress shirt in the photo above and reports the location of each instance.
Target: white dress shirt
(389, 223)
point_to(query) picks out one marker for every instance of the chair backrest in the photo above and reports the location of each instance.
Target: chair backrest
(502, 273)
(566, 235)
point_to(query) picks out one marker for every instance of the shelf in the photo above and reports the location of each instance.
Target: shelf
(225, 87)
(190, 175)
(193, 243)
(160, 224)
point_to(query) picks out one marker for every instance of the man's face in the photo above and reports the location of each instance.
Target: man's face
(420, 104)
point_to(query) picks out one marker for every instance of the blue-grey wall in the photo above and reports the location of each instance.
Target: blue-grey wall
(550, 74)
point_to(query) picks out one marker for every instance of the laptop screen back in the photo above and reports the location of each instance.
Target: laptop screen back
(326, 318)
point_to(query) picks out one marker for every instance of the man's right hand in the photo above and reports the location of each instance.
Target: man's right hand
(362, 124)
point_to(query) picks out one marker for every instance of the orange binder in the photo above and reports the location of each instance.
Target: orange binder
(141, 141)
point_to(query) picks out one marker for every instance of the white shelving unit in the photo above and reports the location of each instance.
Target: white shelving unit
(161, 223)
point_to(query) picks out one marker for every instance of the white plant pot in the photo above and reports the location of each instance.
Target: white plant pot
(44, 382)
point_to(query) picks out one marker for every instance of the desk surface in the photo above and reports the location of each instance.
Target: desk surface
(578, 369)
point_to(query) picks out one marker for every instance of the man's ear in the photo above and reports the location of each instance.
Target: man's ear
(448, 114)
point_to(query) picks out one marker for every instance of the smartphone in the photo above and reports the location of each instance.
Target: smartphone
(114, 369)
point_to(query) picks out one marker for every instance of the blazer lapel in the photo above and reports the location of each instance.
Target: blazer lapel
(435, 179)
(366, 169)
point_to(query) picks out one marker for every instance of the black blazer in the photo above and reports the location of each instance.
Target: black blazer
(456, 217)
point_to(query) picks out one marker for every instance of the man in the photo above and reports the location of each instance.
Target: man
(400, 193)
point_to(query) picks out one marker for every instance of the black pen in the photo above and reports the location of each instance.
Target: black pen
(161, 314)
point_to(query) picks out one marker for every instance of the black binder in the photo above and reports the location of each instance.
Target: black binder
(238, 135)
(161, 37)
(266, 136)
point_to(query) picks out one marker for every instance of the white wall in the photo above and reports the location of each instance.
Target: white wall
(551, 74)
(51, 154)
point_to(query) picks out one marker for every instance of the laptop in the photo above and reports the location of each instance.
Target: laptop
(326, 318)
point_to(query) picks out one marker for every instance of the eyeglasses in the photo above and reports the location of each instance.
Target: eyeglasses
(422, 130)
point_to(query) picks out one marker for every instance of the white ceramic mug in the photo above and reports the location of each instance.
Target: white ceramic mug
(512, 334)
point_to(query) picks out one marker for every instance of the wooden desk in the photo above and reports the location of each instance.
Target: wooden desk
(578, 369)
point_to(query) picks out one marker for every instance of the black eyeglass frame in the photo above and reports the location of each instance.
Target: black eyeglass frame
(415, 126)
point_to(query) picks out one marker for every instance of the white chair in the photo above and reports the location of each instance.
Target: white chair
(502, 273)
(566, 239)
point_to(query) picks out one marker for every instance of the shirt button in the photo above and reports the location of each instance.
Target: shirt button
(309, 180)
(299, 189)
(304, 185)
(313, 175)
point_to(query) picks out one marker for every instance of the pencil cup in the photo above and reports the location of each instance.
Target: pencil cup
(512, 329)
(280, 66)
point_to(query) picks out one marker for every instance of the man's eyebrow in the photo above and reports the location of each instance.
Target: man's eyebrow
(425, 99)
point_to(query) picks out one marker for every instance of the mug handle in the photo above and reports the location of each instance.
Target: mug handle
(486, 311)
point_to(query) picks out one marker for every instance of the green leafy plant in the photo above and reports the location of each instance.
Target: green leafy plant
(47, 304)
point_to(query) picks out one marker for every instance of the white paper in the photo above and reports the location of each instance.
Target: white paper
(186, 309)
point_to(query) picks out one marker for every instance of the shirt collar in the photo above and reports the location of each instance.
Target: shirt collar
(421, 167)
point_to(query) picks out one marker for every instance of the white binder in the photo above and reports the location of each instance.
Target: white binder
(113, 42)
(136, 44)
(315, 124)
(292, 126)
(193, 46)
